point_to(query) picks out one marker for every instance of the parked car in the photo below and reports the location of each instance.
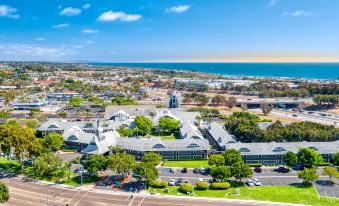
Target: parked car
(179, 181)
(184, 170)
(283, 169)
(172, 170)
(208, 171)
(200, 180)
(186, 181)
(250, 183)
(196, 171)
(202, 170)
(258, 169)
(256, 182)
(294, 115)
(171, 182)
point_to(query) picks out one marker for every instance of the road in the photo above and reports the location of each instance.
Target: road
(24, 193)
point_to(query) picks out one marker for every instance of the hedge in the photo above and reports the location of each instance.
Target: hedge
(254, 165)
(186, 187)
(157, 184)
(220, 185)
(202, 185)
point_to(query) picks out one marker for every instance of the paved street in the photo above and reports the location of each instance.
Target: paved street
(23, 193)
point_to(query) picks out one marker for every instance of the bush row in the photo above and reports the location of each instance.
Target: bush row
(158, 184)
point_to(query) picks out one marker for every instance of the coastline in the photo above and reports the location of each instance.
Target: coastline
(305, 71)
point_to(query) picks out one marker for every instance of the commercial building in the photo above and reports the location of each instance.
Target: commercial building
(265, 152)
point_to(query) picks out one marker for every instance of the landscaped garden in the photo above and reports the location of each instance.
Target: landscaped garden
(288, 194)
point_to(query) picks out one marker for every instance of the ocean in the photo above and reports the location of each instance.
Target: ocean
(329, 71)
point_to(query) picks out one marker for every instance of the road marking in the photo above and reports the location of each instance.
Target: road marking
(81, 199)
(142, 200)
(44, 199)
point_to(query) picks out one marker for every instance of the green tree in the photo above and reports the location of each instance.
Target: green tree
(48, 164)
(96, 163)
(290, 158)
(216, 159)
(220, 173)
(32, 123)
(330, 172)
(232, 156)
(231, 102)
(241, 171)
(335, 159)
(218, 99)
(309, 157)
(21, 140)
(36, 148)
(121, 163)
(4, 193)
(308, 175)
(76, 102)
(143, 125)
(152, 158)
(168, 124)
(125, 132)
(53, 141)
(145, 171)
(4, 115)
(62, 115)
(266, 108)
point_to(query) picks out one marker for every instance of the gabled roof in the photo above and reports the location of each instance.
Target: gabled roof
(221, 136)
(164, 113)
(189, 130)
(100, 144)
(277, 148)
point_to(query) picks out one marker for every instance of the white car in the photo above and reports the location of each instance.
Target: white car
(171, 182)
(250, 183)
(200, 180)
(256, 182)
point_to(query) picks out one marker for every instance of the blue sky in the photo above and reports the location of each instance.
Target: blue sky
(169, 30)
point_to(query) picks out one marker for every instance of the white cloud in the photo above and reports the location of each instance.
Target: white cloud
(90, 31)
(40, 39)
(70, 11)
(297, 13)
(35, 51)
(178, 9)
(122, 16)
(89, 42)
(60, 26)
(273, 2)
(86, 6)
(7, 11)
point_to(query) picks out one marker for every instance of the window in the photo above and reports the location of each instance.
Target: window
(314, 148)
(192, 145)
(72, 138)
(279, 149)
(53, 126)
(158, 146)
(244, 149)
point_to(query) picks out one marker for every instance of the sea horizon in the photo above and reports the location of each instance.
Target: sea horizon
(308, 70)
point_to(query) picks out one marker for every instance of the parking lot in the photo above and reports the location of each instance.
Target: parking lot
(268, 177)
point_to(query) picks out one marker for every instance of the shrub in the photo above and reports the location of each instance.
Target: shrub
(255, 165)
(220, 185)
(158, 184)
(202, 185)
(186, 187)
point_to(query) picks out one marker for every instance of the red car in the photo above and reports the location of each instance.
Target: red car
(258, 169)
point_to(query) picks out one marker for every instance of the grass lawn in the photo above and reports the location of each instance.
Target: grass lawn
(14, 167)
(288, 194)
(9, 165)
(187, 164)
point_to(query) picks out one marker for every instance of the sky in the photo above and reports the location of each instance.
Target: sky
(169, 30)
